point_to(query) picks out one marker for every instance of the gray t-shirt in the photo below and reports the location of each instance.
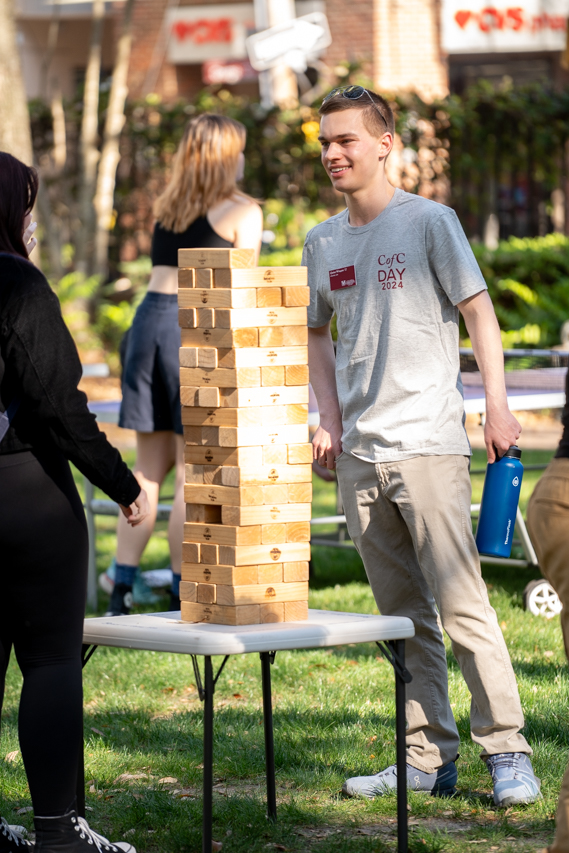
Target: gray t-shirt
(393, 285)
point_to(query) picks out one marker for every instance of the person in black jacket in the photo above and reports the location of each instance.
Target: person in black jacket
(43, 533)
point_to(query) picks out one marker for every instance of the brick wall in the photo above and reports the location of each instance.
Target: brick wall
(351, 25)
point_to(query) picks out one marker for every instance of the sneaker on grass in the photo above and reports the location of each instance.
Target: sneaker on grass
(513, 779)
(12, 839)
(141, 591)
(440, 783)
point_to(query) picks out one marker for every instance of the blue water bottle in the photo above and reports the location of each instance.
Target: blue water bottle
(499, 506)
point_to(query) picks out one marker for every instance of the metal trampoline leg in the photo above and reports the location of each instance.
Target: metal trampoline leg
(209, 687)
(266, 660)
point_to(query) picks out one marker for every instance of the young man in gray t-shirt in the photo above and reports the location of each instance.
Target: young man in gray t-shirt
(396, 269)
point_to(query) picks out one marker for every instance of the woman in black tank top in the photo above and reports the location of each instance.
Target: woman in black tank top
(200, 208)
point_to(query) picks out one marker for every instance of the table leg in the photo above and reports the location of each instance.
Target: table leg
(209, 687)
(401, 755)
(266, 661)
(86, 652)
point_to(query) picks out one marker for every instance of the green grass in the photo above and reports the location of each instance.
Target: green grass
(334, 717)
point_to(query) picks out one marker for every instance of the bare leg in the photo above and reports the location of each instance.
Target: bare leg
(155, 456)
(177, 517)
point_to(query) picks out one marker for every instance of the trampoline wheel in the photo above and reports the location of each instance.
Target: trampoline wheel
(541, 599)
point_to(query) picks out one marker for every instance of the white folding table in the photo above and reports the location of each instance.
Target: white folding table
(164, 632)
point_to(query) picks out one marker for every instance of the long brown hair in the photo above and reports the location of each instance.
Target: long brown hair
(18, 191)
(204, 170)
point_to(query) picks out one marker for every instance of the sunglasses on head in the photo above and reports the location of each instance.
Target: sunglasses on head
(352, 93)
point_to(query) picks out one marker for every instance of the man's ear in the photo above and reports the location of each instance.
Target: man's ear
(384, 145)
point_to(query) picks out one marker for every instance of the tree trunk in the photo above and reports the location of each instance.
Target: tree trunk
(110, 154)
(88, 142)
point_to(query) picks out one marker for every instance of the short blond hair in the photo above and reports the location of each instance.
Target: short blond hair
(204, 170)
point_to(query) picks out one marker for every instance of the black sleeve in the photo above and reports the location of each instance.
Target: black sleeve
(42, 357)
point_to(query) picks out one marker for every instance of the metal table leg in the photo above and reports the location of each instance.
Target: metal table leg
(394, 651)
(86, 653)
(208, 757)
(267, 659)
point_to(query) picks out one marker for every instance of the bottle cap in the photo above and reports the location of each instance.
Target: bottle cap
(514, 451)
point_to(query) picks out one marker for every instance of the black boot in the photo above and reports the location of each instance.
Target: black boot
(12, 840)
(72, 834)
(121, 600)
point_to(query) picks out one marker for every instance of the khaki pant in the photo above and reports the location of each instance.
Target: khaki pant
(548, 525)
(410, 522)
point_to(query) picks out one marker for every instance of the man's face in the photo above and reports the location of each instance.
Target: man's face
(351, 156)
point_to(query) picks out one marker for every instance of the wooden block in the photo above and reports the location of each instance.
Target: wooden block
(293, 296)
(276, 455)
(204, 279)
(273, 375)
(224, 534)
(261, 277)
(188, 356)
(267, 297)
(236, 456)
(195, 474)
(234, 596)
(199, 396)
(265, 514)
(203, 514)
(224, 495)
(251, 436)
(232, 575)
(205, 317)
(261, 356)
(188, 591)
(249, 614)
(295, 572)
(193, 435)
(187, 318)
(270, 573)
(298, 493)
(259, 396)
(294, 336)
(217, 258)
(267, 475)
(239, 318)
(272, 533)
(273, 612)
(193, 416)
(206, 593)
(296, 375)
(207, 357)
(296, 611)
(209, 554)
(203, 298)
(248, 555)
(227, 338)
(186, 278)
(296, 531)
(273, 336)
(212, 475)
(300, 454)
(191, 552)
(239, 377)
(277, 494)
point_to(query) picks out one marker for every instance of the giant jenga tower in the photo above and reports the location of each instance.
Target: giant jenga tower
(244, 393)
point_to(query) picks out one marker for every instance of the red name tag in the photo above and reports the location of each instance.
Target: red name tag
(344, 277)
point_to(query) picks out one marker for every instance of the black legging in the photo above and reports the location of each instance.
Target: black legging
(43, 577)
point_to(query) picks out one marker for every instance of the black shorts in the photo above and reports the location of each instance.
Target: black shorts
(151, 369)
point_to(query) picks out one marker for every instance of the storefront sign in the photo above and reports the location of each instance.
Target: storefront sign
(475, 27)
(227, 71)
(200, 33)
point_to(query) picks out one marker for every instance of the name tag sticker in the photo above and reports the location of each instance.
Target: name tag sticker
(344, 277)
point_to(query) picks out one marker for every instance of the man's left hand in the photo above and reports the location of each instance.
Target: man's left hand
(501, 430)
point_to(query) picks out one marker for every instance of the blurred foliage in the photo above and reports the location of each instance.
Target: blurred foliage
(528, 280)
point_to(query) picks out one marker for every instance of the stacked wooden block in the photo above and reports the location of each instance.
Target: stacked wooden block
(244, 393)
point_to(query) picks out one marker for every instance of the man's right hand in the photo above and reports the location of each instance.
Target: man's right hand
(327, 445)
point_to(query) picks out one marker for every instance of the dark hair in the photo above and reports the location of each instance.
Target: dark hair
(372, 115)
(18, 191)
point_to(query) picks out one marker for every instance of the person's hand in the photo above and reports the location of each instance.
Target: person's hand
(30, 242)
(501, 430)
(137, 511)
(327, 445)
